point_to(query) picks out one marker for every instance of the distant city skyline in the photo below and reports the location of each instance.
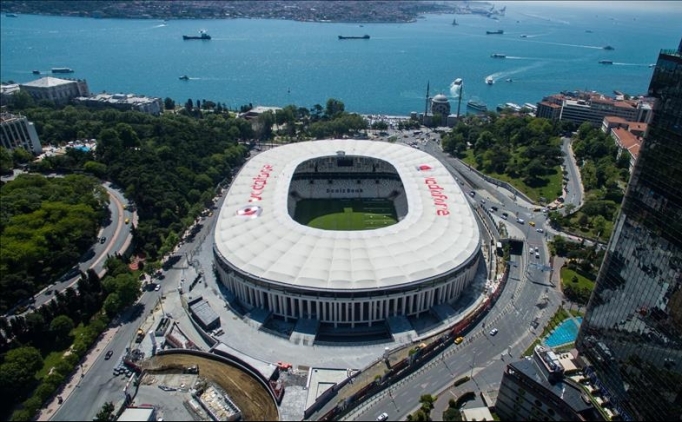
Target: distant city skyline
(644, 6)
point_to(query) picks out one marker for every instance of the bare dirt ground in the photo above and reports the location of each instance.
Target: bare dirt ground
(251, 397)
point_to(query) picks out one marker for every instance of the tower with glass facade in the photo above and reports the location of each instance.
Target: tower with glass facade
(631, 335)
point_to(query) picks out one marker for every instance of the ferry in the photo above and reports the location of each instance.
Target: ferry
(62, 70)
(364, 37)
(477, 105)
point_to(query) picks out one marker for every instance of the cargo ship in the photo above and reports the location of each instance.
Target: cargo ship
(62, 70)
(364, 37)
(498, 32)
(202, 36)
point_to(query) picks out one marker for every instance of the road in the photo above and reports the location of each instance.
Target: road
(117, 235)
(574, 187)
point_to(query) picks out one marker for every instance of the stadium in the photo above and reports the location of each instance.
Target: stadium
(345, 233)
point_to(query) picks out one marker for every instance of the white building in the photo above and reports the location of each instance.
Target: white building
(17, 132)
(59, 91)
(150, 105)
(270, 261)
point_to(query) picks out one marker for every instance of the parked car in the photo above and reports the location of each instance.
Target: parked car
(383, 417)
(459, 340)
(127, 220)
(493, 331)
(102, 239)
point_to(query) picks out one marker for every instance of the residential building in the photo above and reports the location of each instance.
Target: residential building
(627, 136)
(538, 388)
(580, 107)
(150, 105)
(17, 132)
(59, 91)
(631, 334)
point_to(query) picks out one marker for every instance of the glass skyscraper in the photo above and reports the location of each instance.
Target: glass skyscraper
(631, 335)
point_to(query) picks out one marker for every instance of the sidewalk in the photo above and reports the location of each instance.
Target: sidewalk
(74, 380)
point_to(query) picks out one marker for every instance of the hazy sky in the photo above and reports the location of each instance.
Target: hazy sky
(645, 5)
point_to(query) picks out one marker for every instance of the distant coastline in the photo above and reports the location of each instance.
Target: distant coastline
(302, 11)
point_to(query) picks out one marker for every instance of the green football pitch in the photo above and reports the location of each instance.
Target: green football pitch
(345, 214)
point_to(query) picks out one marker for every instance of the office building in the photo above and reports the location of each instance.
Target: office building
(631, 335)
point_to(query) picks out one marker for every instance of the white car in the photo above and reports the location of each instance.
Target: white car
(539, 230)
(157, 288)
(493, 331)
(520, 220)
(383, 417)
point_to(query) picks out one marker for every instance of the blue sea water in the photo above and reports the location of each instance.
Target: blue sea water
(276, 62)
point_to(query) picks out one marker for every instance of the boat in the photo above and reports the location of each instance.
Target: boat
(524, 36)
(608, 47)
(11, 15)
(454, 22)
(477, 105)
(36, 72)
(588, 31)
(364, 37)
(184, 78)
(498, 56)
(498, 32)
(202, 36)
(509, 80)
(458, 82)
(652, 65)
(62, 70)
(606, 61)
(489, 80)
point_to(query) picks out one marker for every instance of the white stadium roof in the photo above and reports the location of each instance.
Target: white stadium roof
(272, 246)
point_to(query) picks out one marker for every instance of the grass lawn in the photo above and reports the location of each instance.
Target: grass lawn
(49, 362)
(549, 191)
(567, 277)
(345, 214)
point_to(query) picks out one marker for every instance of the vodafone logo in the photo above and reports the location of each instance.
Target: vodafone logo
(249, 211)
(438, 196)
(424, 167)
(259, 183)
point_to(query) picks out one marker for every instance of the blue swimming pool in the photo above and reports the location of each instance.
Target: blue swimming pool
(565, 333)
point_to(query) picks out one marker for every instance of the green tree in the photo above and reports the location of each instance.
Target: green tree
(106, 413)
(168, 104)
(61, 326)
(334, 108)
(6, 162)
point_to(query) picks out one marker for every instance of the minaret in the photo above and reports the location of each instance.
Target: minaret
(459, 100)
(426, 104)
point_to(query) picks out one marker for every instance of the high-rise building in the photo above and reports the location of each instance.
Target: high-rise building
(631, 335)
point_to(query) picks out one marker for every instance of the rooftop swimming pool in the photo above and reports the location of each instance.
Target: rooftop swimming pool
(565, 333)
